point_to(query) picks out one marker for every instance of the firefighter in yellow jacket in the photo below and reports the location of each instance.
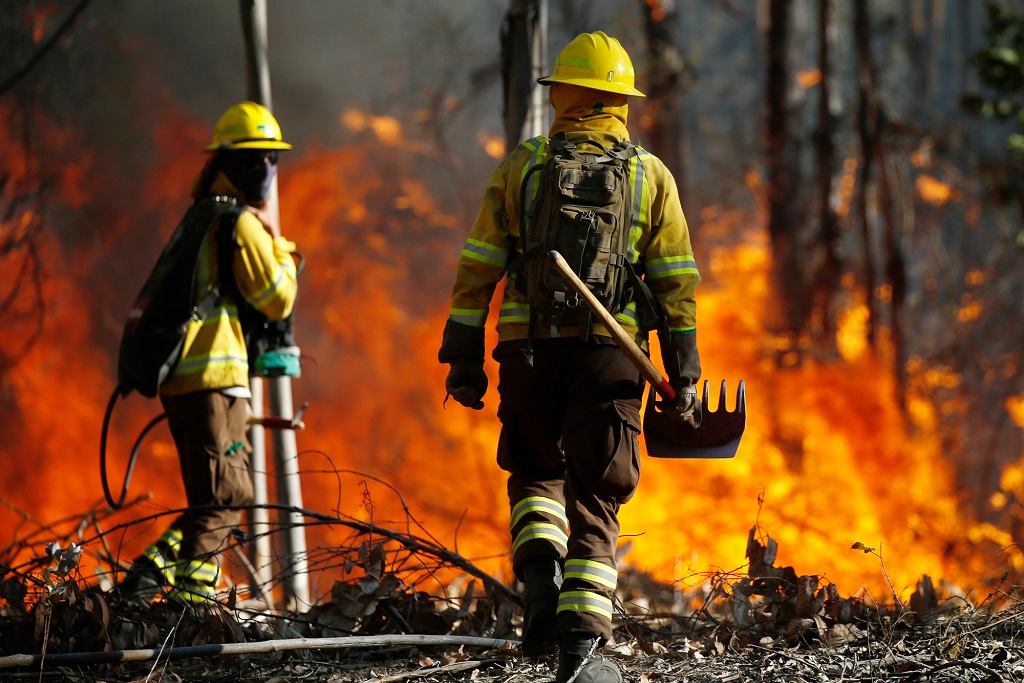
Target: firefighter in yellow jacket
(206, 396)
(570, 403)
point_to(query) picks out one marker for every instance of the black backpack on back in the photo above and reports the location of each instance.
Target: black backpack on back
(154, 333)
(582, 210)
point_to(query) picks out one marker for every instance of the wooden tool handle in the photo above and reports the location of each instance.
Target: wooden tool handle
(625, 342)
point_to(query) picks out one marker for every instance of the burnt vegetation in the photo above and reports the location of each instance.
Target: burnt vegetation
(406, 607)
(894, 189)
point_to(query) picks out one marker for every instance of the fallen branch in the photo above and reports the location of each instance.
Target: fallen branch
(116, 656)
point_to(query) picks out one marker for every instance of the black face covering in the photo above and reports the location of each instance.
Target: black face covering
(251, 171)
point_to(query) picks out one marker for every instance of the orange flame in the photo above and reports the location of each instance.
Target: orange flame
(934, 191)
(825, 449)
(808, 78)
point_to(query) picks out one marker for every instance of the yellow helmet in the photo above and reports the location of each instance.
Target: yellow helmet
(594, 60)
(247, 126)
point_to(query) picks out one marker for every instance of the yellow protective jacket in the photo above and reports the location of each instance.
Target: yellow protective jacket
(659, 237)
(214, 354)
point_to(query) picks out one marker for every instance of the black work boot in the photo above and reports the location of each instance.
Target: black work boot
(543, 580)
(142, 582)
(579, 661)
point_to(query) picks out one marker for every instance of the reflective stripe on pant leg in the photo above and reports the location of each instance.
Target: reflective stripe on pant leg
(197, 582)
(586, 602)
(593, 572)
(536, 502)
(541, 531)
(164, 553)
(546, 506)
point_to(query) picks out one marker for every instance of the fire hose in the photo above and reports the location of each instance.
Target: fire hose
(265, 422)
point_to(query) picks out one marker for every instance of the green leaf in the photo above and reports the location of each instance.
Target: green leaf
(1006, 55)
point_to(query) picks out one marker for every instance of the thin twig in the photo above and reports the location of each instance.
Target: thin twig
(44, 48)
(267, 597)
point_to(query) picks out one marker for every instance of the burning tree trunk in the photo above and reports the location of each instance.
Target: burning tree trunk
(666, 68)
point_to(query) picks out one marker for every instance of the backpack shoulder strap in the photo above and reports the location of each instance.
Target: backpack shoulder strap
(226, 237)
(623, 150)
(561, 146)
(213, 208)
(225, 210)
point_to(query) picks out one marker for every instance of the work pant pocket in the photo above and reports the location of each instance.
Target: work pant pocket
(232, 481)
(604, 451)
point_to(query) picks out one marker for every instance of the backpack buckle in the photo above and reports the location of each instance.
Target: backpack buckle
(558, 305)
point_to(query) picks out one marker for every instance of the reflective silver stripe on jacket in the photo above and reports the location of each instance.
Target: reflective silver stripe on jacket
(474, 317)
(637, 221)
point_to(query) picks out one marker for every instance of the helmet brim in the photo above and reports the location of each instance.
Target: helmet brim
(606, 86)
(249, 144)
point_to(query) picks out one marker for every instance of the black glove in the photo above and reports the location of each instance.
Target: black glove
(684, 407)
(461, 344)
(682, 365)
(467, 384)
(680, 356)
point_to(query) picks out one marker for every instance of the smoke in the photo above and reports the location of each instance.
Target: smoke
(126, 104)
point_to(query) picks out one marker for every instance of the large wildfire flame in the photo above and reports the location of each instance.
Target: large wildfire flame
(826, 460)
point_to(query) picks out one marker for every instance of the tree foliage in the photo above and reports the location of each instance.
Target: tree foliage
(1000, 68)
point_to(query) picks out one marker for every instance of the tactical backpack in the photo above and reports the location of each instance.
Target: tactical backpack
(582, 210)
(154, 334)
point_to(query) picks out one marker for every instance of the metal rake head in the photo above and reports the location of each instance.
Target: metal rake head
(717, 436)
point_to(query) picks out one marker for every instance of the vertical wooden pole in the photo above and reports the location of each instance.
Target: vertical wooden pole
(292, 557)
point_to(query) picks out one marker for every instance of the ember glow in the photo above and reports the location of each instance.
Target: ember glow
(826, 460)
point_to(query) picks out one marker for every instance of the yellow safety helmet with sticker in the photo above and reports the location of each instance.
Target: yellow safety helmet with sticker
(247, 126)
(594, 60)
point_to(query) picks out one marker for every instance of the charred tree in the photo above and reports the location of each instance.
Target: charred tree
(516, 67)
(867, 114)
(663, 118)
(871, 126)
(826, 279)
(783, 219)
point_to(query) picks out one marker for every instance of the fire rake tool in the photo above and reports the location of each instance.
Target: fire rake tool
(719, 432)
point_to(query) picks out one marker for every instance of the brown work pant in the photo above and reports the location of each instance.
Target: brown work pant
(209, 431)
(570, 428)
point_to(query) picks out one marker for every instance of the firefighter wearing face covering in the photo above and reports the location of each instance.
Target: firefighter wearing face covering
(570, 403)
(206, 396)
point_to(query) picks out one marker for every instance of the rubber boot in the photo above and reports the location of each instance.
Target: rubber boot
(543, 580)
(579, 661)
(142, 582)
